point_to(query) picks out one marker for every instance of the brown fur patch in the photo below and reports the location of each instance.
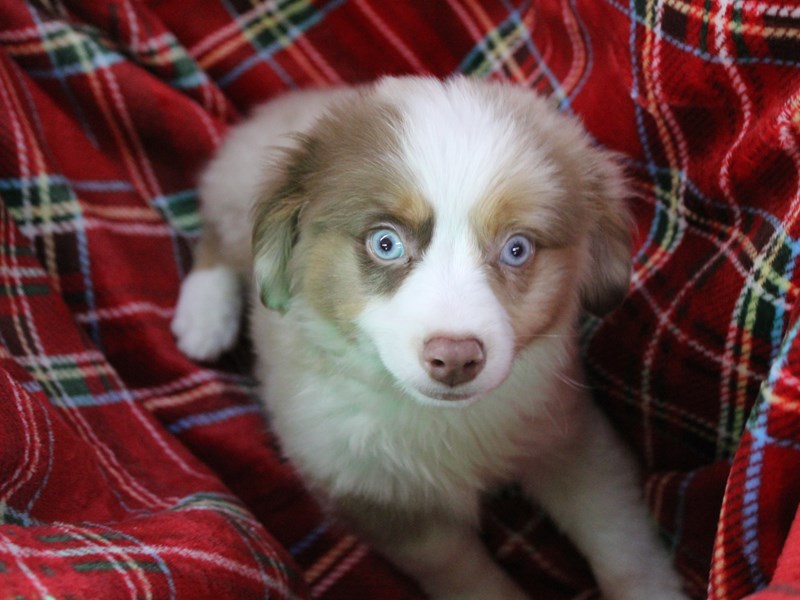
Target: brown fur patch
(332, 280)
(207, 252)
(407, 214)
(529, 208)
(345, 181)
(568, 198)
(538, 295)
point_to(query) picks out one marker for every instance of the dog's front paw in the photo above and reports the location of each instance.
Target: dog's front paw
(492, 584)
(656, 584)
(507, 591)
(206, 321)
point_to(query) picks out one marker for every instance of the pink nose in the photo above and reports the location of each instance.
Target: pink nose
(453, 361)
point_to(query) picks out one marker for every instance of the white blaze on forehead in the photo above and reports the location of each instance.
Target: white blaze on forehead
(454, 140)
(458, 300)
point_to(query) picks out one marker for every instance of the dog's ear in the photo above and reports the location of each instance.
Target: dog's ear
(276, 219)
(605, 283)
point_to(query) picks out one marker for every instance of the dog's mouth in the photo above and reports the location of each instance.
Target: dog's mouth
(439, 395)
(452, 396)
(447, 398)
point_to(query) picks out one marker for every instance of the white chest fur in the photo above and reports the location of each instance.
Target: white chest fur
(346, 425)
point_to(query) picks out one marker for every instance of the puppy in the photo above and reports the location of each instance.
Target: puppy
(424, 250)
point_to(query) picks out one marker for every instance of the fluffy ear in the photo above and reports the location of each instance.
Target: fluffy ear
(606, 281)
(276, 219)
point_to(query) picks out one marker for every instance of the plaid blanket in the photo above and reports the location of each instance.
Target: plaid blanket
(126, 470)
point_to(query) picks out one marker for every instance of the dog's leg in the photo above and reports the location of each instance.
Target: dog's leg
(209, 308)
(446, 557)
(588, 484)
(450, 562)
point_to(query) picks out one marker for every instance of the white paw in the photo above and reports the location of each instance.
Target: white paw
(206, 321)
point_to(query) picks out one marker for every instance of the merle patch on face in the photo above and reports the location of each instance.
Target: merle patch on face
(360, 185)
(382, 276)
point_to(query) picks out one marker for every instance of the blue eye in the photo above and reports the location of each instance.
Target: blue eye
(386, 245)
(517, 251)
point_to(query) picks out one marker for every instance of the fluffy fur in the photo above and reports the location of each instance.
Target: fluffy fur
(405, 375)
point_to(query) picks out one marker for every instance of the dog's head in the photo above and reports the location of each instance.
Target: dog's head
(449, 224)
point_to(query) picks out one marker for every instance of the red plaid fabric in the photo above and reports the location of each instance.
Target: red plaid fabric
(126, 470)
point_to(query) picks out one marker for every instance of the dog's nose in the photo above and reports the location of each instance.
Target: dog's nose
(453, 361)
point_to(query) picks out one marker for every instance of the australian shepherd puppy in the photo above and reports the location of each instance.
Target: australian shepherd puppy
(423, 250)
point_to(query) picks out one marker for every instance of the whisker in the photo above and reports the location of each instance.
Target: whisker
(572, 383)
(554, 335)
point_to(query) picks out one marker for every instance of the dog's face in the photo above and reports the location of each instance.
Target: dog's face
(450, 225)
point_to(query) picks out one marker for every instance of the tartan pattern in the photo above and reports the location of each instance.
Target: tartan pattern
(127, 469)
